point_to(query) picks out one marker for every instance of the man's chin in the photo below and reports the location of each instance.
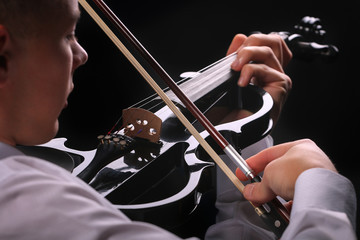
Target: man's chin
(45, 136)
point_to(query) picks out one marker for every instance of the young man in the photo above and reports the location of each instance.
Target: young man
(38, 56)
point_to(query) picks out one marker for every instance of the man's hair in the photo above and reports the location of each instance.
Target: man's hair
(25, 17)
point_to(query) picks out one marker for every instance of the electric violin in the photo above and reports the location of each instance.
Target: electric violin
(150, 164)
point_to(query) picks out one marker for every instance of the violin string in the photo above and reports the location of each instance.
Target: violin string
(125, 124)
(164, 97)
(145, 101)
(183, 86)
(116, 124)
(141, 104)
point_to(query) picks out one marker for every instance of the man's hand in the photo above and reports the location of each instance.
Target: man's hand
(261, 59)
(282, 165)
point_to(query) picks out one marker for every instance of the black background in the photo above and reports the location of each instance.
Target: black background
(188, 35)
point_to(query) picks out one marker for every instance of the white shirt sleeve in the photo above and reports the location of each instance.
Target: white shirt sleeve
(324, 207)
(42, 201)
(236, 218)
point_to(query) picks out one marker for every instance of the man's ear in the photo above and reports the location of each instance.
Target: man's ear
(4, 40)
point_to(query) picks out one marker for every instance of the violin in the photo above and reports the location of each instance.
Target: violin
(151, 164)
(166, 173)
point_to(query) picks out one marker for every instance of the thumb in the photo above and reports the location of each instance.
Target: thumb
(258, 193)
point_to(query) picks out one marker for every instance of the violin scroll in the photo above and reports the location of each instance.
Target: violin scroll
(311, 28)
(306, 41)
(308, 51)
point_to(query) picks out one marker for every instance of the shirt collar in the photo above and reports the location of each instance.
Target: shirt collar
(7, 150)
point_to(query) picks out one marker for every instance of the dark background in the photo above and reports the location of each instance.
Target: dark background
(189, 35)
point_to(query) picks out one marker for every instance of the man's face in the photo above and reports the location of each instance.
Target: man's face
(41, 72)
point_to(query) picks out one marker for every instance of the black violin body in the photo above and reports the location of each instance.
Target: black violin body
(146, 179)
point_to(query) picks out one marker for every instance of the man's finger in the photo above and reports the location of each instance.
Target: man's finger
(259, 161)
(258, 193)
(237, 41)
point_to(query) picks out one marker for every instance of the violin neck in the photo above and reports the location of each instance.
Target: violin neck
(215, 77)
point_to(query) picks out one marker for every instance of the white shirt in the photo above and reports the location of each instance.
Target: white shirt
(39, 200)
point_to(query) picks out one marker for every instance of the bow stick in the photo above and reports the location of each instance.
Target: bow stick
(276, 218)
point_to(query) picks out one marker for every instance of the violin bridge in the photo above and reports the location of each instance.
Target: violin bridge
(141, 123)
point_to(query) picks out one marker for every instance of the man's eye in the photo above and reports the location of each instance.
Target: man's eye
(71, 37)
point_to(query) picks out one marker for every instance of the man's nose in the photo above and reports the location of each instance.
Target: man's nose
(80, 56)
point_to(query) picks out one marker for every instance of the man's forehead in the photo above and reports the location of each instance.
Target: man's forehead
(76, 15)
(61, 14)
(73, 9)
(68, 9)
